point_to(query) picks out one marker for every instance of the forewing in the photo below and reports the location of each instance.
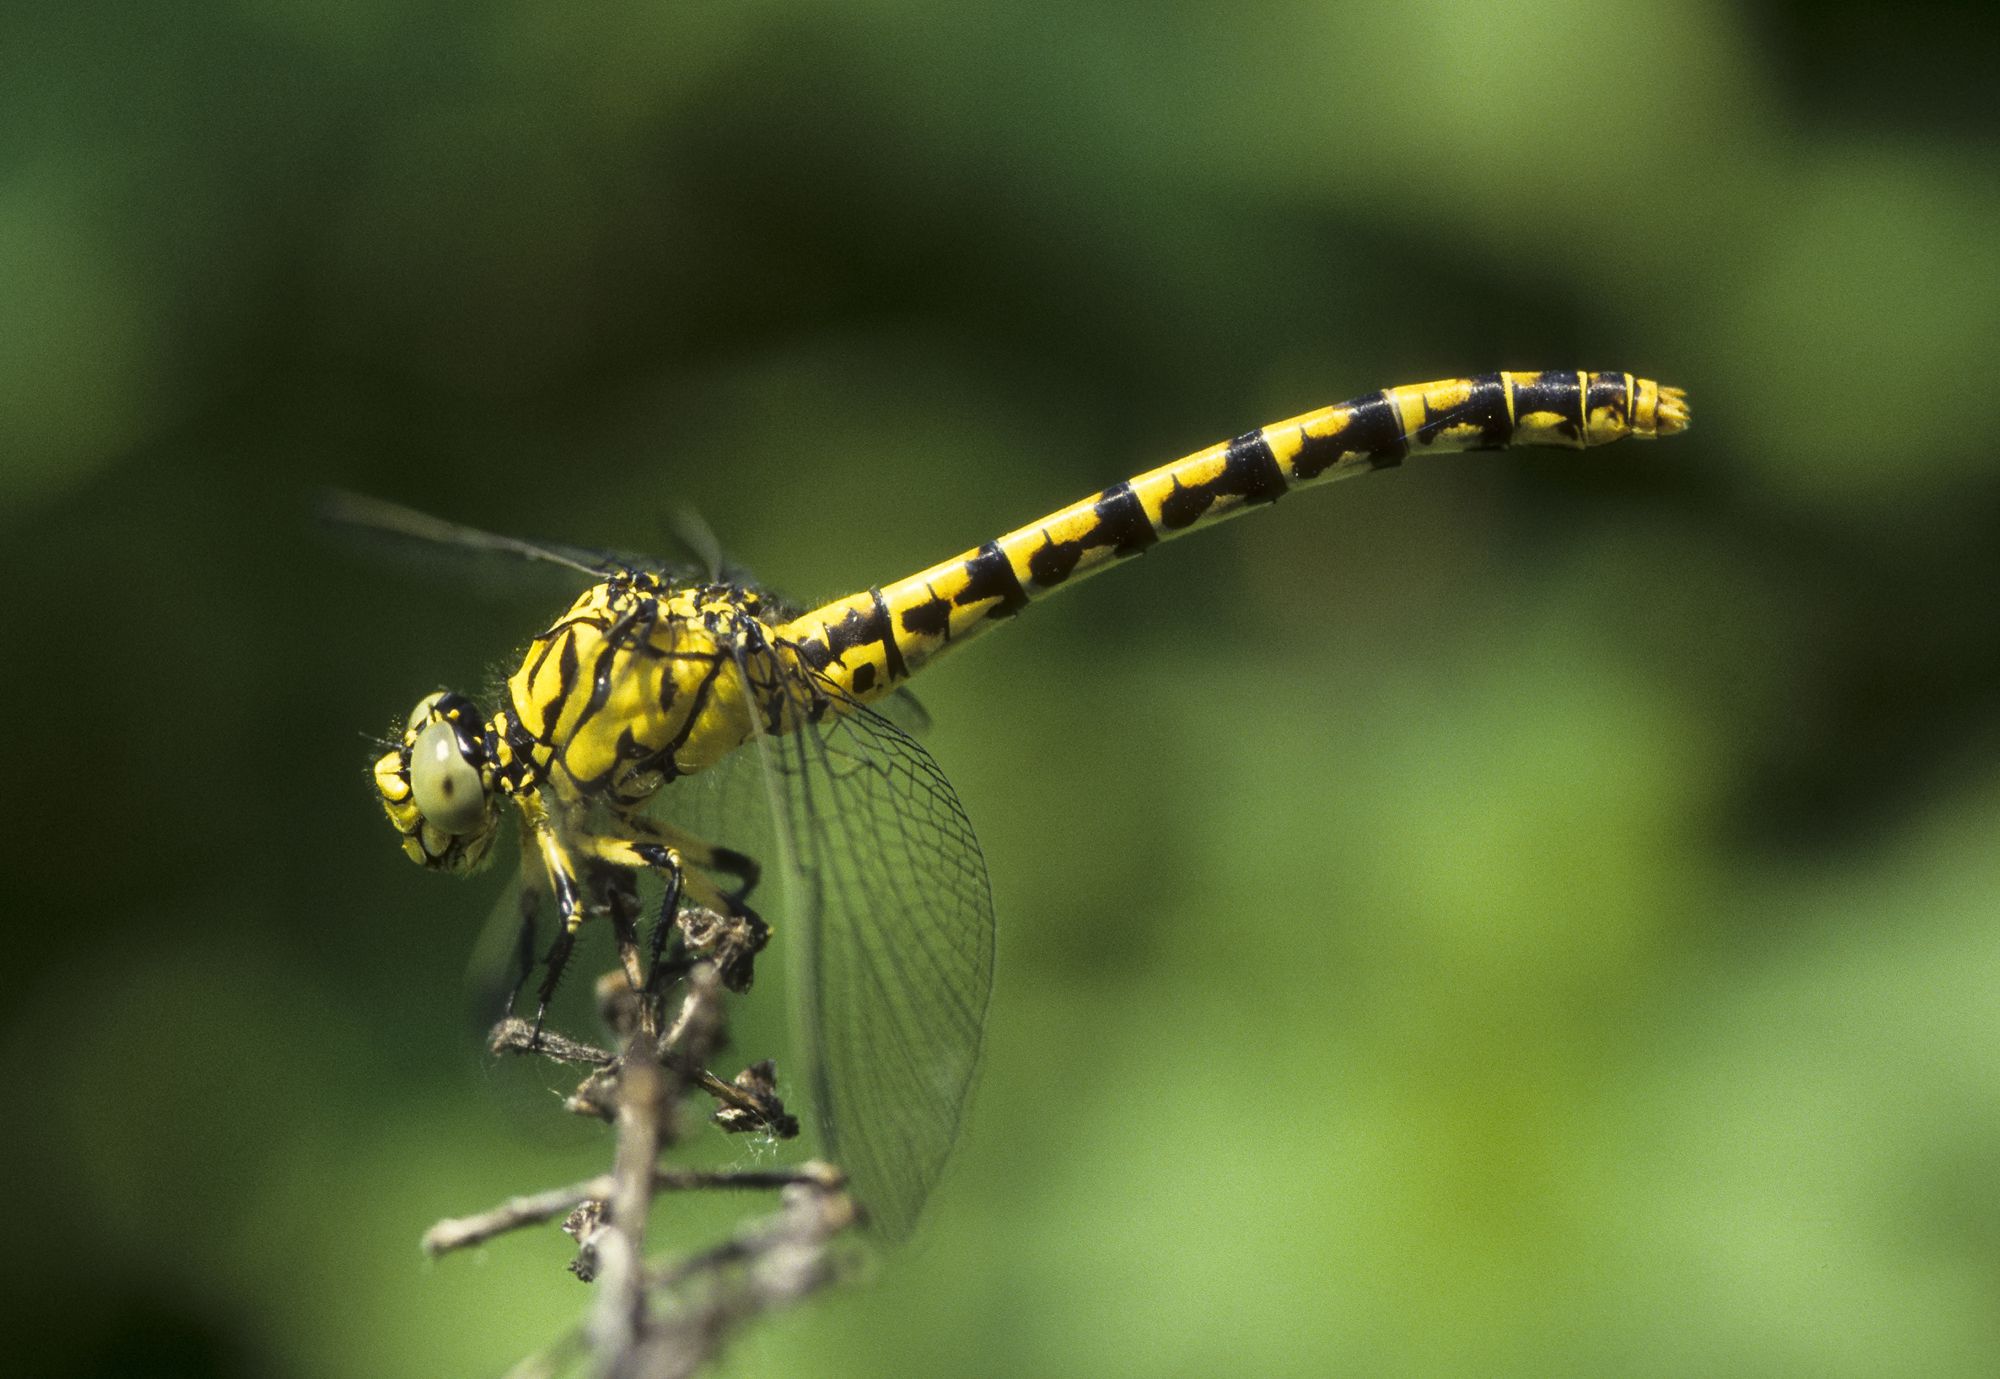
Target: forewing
(378, 517)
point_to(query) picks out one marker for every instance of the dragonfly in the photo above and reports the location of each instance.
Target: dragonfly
(654, 675)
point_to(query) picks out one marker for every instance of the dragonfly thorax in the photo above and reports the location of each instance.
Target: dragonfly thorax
(639, 682)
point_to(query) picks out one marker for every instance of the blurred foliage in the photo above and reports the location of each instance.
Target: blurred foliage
(1524, 916)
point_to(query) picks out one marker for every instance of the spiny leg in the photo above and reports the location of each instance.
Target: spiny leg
(553, 963)
(618, 861)
(524, 947)
(710, 858)
(683, 848)
(620, 901)
(743, 933)
(648, 846)
(647, 854)
(567, 892)
(663, 924)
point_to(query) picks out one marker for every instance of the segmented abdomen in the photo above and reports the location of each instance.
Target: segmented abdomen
(872, 641)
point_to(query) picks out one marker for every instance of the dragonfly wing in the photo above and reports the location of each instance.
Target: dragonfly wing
(406, 526)
(889, 923)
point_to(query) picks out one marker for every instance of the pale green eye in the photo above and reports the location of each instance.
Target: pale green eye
(445, 785)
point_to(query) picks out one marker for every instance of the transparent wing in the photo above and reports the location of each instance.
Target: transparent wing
(901, 958)
(359, 513)
(886, 917)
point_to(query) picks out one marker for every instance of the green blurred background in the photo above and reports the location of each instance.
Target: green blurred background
(1516, 916)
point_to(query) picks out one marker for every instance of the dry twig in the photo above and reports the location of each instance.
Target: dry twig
(667, 1319)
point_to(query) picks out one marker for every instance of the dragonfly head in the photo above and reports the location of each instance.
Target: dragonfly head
(438, 785)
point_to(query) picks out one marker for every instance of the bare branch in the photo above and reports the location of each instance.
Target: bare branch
(456, 1233)
(515, 1035)
(619, 1319)
(666, 1320)
(461, 1232)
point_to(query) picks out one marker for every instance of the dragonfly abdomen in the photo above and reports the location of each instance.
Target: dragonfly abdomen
(871, 642)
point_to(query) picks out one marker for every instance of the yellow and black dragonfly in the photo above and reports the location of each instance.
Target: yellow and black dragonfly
(651, 676)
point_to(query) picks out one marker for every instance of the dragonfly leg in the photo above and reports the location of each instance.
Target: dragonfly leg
(633, 855)
(568, 894)
(554, 963)
(524, 946)
(663, 923)
(689, 868)
(695, 862)
(710, 858)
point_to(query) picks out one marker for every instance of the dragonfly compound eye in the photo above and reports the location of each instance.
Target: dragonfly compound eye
(445, 785)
